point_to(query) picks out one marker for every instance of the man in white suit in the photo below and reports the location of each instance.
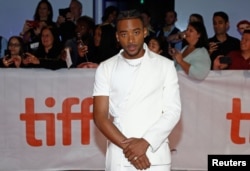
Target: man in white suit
(136, 101)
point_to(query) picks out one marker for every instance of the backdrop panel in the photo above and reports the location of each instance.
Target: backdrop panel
(46, 120)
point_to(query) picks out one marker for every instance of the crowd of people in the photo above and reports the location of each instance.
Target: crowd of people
(42, 41)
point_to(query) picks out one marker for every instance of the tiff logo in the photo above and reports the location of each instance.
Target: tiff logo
(236, 116)
(30, 117)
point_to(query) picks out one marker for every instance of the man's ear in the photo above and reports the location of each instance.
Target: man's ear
(145, 31)
(116, 35)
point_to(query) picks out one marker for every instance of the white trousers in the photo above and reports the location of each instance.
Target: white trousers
(152, 168)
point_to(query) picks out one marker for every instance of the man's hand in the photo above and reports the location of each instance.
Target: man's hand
(135, 152)
(217, 65)
(213, 46)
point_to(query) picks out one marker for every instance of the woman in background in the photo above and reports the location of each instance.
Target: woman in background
(194, 58)
(32, 28)
(15, 52)
(48, 54)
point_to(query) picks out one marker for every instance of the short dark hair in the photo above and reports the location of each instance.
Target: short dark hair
(78, 3)
(129, 14)
(89, 21)
(222, 15)
(109, 10)
(172, 11)
(146, 12)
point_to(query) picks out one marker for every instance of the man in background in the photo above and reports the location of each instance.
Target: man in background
(221, 43)
(167, 30)
(67, 22)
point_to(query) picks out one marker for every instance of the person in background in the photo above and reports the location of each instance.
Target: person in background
(155, 44)
(243, 25)
(180, 36)
(236, 60)
(105, 42)
(67, 24)
(167, 30)
(194, 59)
(221, 43)
(48, 54)
(82, 45)
(146, 16)
(3, 46)
(32, 28)
(14, 55)
(135, 115)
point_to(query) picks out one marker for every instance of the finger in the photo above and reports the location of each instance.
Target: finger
(130, 156)
(145, 162)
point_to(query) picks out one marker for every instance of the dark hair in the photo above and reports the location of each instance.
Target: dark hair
(172, 11)
(159, 41)
(78, 3)
(146, 12)
(222, 15)
(50, 17)
(109, 10)
(198, 16)
(90, 23)
(201, 29)
(130, 14)
(20, 40)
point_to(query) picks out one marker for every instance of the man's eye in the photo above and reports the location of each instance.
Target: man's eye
(137, 32)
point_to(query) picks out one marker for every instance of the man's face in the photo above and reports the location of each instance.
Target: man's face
(75, 9)
(82, 28)
(245, 42)
(170, 18)
(130, 33)
(220, 26)
(243, 27)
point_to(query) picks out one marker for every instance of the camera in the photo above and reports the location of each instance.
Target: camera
(225, 60)
(33, 24)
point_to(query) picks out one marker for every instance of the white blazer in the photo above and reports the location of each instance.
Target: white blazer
(152, 110)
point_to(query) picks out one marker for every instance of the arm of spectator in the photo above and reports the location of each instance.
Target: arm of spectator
(7, 61)
(177, 55)
(217, 65)
(30, 59)
(87, 65)
(82, 51)
(213, 46)
(60, 20)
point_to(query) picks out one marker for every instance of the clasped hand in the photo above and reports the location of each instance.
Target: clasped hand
(135, 152)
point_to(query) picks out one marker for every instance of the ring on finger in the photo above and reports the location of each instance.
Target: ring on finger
(135, 158)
